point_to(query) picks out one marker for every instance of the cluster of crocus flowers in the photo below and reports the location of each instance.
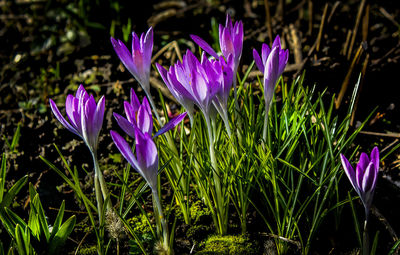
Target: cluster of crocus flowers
(85, 120)
(204, 83)
(139, 124)
(230, 42)
(271, 63)
(138, 62)
(363, 178)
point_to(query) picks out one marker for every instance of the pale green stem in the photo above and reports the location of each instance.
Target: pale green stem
(100, 178)
(226, 122)
(161, 218)
(99, 198)
(365, 248)
(266, 122)
(216, 174)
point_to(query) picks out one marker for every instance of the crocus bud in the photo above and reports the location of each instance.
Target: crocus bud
(364, 177)
(139, 61)
(86, 118)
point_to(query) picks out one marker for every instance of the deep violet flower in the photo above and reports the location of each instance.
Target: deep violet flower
(139, 116)
(230, 41)
(193, 82)
(139, 61)
(271, 64)
(85, 117)
(364, 177)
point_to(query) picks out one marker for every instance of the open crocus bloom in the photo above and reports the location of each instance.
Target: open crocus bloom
(85, 117)
(193, 82)
(139, 61)
(364, 177)
(139, 124)
(139, 116)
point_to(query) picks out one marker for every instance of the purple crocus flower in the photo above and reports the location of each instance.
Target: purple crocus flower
(272, 64)
(139, 61)
(192, 81)
(138, 116)
(146, 160)
(364, 177)
(139, 119)
(85, 117)
(230, 41)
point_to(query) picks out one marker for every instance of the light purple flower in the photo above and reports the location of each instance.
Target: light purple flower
(272, 64)
(230, 41)
(139, 125)
(364, 177)
(146, 160)
(85, 117)
(139, 61)
(192, 82)
(138, 116)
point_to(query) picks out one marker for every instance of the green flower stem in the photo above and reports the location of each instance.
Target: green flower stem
(99, 198)
(164, 226)
(216, 174)
(365, 248)
(99, 177)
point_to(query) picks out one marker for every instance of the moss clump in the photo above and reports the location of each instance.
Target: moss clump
(232, 245)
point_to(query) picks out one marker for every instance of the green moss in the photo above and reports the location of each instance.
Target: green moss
(87, 250)
(140, 223)
(232, 245)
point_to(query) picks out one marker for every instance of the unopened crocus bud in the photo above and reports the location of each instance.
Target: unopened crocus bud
(138, 62)
(364, 178)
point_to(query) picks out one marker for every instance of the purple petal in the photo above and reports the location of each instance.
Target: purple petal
(124, 55)
(171, 124)
(369, 180)
(277, 42)
(265, 51)
(99, 114)
(135, 103)
(375, 158)
(348, 169)
(148, 44)
(61, 119)
(124, 124)
(147, 157)
(130, 112)
(271, 75)
(361, 167)
(125, 150)
(283, 59)
(144, 120)
(258, 61)
(205, 46)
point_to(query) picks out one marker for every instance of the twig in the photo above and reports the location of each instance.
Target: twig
(389, 17)
(321, 27)
(393, 135)
(268, 19)
(353, 39)
(346, 80)
(363, 72)
(365, 24)
(81, 242)
(385, 222)
(296, 243)
(295, 43)
(310, 17)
